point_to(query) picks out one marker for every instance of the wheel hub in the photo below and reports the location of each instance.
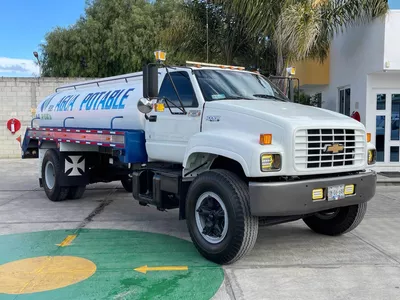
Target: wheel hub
(49, 174)
(211, 217)
(328, 214)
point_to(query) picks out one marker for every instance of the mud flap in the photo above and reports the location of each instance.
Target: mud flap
(75, 171)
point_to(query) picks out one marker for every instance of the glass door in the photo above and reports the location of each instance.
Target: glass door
(387, 134)
(394, 127)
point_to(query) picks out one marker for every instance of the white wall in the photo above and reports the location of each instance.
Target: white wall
(357, 52)
(385, 80)
(392, 41)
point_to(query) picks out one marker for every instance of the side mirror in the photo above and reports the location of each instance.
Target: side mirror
(145, 105)
(150, 81)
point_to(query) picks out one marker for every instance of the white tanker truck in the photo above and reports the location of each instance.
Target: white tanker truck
(221, 144)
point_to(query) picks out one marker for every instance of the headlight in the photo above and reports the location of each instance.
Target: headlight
(371, 156)
(270, 162)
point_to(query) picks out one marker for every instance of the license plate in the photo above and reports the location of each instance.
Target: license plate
(336, 192)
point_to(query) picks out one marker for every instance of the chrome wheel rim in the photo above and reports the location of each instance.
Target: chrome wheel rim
(49, 175)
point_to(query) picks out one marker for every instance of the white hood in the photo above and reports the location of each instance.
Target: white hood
(278, 111)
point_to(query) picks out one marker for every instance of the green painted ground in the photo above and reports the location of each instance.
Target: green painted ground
(116, 254)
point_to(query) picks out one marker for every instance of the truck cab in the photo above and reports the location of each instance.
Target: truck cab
(229, 150)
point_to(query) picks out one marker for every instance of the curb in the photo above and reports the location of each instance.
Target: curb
(386, 181)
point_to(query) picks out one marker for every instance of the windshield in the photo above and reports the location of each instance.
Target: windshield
(224, 85)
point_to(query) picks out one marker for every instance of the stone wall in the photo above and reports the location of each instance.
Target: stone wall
(19, 98)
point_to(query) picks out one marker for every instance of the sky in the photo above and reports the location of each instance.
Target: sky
(23, 26)
(394, 4)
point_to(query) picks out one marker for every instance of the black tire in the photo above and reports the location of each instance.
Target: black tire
(127, 184)
(242, 230)
(76, 192)
(55, 192)
(342, 220)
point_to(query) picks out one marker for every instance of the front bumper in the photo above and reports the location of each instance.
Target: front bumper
(295, 197)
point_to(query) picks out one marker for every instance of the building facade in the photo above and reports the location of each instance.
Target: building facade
(362, 73)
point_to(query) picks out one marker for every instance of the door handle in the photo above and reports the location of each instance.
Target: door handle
(153, 119)
(194, 113)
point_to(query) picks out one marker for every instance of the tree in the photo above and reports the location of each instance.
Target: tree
(186, 37)
(113, 37)
(302, 29)
(229, 40)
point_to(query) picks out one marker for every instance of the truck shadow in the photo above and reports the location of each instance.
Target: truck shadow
(295, 244)
(284, 244)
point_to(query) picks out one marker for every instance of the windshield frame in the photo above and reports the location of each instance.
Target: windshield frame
(282, 97)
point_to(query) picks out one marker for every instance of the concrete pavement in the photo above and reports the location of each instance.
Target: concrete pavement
(288, 261)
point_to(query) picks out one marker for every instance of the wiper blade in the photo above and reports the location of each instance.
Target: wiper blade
(237, 98)
(269, 97)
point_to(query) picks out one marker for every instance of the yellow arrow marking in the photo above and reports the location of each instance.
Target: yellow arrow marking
(145, 269)
(67, 241)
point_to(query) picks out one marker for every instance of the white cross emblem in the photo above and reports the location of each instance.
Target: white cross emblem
(75, 165)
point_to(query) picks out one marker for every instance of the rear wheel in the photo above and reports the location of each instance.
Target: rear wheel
(218, 216)
(337, 221)
(127, 184)
(76, 192)
(51, 171)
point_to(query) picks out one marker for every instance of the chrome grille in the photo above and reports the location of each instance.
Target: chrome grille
(329, 148)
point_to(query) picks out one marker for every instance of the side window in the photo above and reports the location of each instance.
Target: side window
(184, 87)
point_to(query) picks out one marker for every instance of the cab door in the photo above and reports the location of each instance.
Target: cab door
(168, 132)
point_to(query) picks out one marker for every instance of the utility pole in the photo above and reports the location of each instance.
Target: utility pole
(207, 25)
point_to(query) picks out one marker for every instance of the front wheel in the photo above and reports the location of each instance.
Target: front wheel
(218, 216)
(337, 221)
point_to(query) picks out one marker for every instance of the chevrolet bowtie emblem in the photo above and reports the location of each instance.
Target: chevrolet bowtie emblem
(335, 148)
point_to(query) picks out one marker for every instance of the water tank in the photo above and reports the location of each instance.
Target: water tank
(94, 104)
